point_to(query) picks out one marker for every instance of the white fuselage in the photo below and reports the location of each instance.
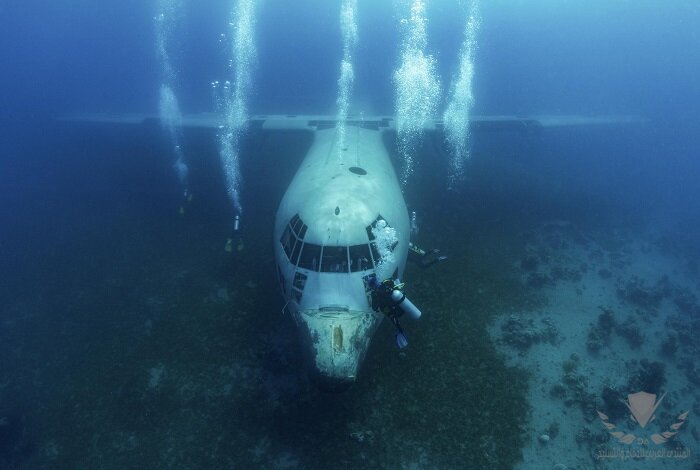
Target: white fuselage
(324, 246)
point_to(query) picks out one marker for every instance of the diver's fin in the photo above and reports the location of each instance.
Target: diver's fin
(401, 340)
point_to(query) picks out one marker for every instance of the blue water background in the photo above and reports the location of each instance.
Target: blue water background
(65, 192)
(546, 57)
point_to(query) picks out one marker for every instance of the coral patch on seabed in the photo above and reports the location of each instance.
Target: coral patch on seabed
(618, 319)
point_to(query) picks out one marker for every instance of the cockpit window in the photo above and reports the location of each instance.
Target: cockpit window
(370, 235)
(295, 253)
(360, 258)
(297, 226)
(292, 238)
(329, 259)
(373, 243)
(375, 252)
(287, 241)
(335, 259)
(369, 228)
(310, 257)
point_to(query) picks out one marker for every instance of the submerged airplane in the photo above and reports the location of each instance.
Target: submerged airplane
(337, 280)
(326, 249)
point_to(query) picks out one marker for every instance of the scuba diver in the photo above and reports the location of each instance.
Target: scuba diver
(388, 298)
(235, 241)
(418, 255)
(186, 200)
(424, 258)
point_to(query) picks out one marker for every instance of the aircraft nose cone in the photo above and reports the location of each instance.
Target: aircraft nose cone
(335, 342)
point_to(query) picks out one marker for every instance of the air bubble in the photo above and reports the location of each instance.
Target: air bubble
(169, 109)
(348, 27)
(232, 100)
(456, 117)
(417, 87)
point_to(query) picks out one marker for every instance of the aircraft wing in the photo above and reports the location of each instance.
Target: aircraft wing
(317, 122)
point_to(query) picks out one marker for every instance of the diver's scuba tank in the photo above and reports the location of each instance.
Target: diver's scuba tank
(406, 305)
(389, 299)
(236, 238)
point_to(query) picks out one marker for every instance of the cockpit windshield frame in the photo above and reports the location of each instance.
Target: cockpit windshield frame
(328, 258)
